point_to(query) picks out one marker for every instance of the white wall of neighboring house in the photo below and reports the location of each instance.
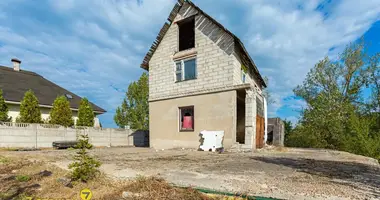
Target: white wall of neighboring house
(14, 112)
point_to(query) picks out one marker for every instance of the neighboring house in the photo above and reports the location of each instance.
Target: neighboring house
(15, 82)
(202, 78)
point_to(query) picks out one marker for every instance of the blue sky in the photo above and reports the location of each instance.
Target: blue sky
(94, 48)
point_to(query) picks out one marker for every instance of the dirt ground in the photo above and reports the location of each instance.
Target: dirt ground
(280, 173)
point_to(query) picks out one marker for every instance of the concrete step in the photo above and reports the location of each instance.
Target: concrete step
(240, 147)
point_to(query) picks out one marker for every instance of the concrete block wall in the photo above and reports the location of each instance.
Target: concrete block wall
(237, 74)
(42, 136)
(250, 118)
(214, 66)
(276, 130)
(214, 111)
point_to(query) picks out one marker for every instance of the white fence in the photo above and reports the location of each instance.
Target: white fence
(43, 135)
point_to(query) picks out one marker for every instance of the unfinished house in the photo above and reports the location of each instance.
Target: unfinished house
(202, 78)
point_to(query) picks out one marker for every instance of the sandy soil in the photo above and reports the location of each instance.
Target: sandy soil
(281, 173)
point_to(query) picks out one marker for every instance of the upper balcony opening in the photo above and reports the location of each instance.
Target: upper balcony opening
(186, 34)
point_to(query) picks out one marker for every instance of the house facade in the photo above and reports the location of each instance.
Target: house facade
(15, 82)
(202, 78)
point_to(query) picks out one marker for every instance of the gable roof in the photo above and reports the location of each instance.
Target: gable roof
(15, 83)
(239, 48)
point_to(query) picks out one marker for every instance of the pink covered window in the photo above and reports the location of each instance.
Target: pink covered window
(186, 121)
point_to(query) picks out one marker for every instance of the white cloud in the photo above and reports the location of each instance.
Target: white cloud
(63, 6)
(98, 46)
(125, 16)
(289, 37)
(93, 31)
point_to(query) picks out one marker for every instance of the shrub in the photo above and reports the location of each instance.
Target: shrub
(3, 109)
(29, 109)
(85, 167)
(61, 113)
(85, 114)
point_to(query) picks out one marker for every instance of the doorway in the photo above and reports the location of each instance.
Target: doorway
(240, 117)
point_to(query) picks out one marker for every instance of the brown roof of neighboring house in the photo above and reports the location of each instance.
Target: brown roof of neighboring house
(241, 50)
(15, 83)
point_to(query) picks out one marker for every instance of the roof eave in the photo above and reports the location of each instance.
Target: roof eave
(50, 106)
(146, 67)
(253, 63)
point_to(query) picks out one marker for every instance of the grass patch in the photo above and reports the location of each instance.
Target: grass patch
(22, 178)
(9, 149)
(4, 159)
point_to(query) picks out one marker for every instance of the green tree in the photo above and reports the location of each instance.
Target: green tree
(85, 114)
(374, 84)
(3, 109)
(134, 110)
(337, 115)
(288, 128)
(29, 109)
(61, 113)
(85, 167)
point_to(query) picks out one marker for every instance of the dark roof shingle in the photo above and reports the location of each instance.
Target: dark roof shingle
(15, 83)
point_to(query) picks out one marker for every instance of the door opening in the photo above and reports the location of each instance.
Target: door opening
(240, 117)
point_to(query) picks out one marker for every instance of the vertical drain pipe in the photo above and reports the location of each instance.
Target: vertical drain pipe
(265, 120)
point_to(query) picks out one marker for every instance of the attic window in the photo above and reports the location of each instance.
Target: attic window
(68, 96)
(186, 69)
(186, 34)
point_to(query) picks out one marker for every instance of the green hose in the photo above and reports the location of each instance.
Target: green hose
(208, 191)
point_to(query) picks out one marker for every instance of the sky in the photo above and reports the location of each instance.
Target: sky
(94, 48)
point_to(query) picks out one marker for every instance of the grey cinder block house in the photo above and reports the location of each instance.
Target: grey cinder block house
(201, 77)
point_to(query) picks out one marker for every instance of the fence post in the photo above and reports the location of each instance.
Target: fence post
(127, 133)
(35, 127)
(110, 137)
(65, 134)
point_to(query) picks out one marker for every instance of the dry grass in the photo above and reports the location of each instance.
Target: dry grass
(46, 186)
(282, 149)
(39, 186)
(156, 188)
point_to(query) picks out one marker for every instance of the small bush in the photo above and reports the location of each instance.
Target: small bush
(85, 166)
(22, 178)
(70, 149)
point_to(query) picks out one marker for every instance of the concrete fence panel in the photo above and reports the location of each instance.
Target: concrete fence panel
(12, 136)
(43, 135)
